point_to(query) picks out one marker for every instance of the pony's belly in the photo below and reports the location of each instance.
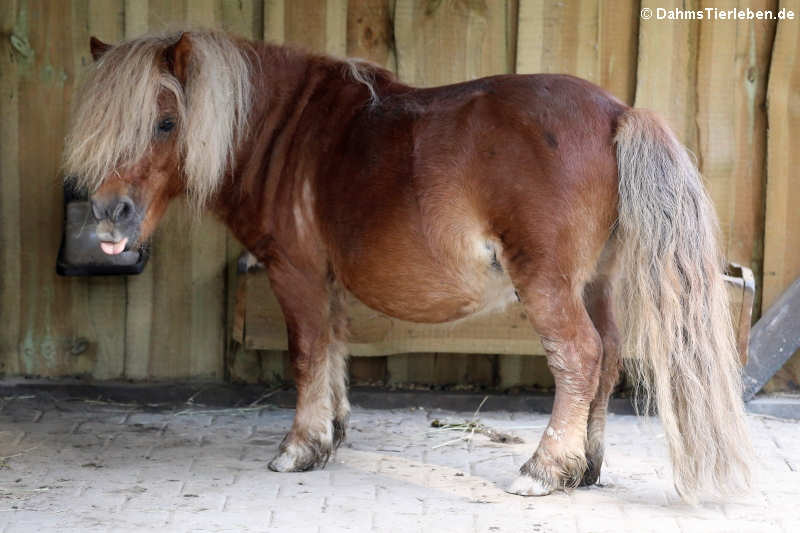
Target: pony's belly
(448, 289)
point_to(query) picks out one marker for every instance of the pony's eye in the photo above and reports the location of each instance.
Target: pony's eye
(166, 125)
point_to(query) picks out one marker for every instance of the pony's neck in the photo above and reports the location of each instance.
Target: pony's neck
(301, 103)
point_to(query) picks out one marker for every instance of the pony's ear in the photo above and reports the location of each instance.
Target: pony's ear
(98, 47)
(177, 57)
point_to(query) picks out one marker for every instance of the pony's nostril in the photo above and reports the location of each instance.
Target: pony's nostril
(98, 211)
(123, 210)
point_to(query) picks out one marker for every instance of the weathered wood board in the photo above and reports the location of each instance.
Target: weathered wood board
(583, 39)
(260, 324)
(782, 219)
(732, 68)
(372, 333)
(666, 73)
(15, 53)
(448, 41)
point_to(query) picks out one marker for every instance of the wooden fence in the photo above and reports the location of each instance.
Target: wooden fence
(731, 90)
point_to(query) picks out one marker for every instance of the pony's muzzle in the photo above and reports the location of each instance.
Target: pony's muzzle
(114, 216)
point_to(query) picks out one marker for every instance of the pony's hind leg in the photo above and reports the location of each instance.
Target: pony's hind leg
(574, 353)
(337, 374)
(599, 303)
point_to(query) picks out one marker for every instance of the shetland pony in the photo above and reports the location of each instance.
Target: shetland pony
(430, 205)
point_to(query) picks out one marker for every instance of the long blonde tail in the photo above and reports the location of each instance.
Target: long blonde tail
(675, 323)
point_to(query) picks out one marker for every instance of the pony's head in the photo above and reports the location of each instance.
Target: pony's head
(155, 117)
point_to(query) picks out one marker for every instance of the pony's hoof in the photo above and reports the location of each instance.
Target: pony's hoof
(339, 431)
(299, 458)
(526, 485)
(590, 477)
(592, 473)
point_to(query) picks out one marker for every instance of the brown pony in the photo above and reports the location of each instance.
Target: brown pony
(430, 205)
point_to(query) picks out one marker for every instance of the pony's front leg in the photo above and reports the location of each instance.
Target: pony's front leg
(318, 357)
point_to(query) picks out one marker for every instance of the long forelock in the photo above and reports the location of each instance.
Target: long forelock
(218, 96)
(116, 112)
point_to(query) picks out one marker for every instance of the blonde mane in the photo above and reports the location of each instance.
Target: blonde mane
(116, 112)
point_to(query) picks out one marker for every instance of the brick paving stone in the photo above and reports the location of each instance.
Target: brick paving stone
(91, 466)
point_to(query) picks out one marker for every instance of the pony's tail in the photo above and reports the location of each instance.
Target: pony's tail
(675, 324)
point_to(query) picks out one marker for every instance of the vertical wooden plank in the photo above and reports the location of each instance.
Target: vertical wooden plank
(667, 66)
(512, 35)
(136, 17)
(450, 41)
(526, 373)
(170, 324)
(203, 13)
(303, 24)
(464, 370)
(398, 369)
(618, 44)
(316, 25)
(274, 16)
(48, 305)
(559, 37)
(93, 343)
(781, 238)
(208, 305)
(336, 27)
(369, 32)
(368, 371)
(244, 18)
(733, 62)
(105, 296)
(441, 369)
(587, 38)
(15, 53)
(420, 368)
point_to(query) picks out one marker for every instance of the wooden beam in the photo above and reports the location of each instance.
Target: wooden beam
(773, 340)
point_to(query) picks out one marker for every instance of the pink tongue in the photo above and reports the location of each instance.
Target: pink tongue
(114, 248)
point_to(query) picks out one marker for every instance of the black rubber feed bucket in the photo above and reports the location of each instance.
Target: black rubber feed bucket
(80, 253)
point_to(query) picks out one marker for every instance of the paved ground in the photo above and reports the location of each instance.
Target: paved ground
(83, 466)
